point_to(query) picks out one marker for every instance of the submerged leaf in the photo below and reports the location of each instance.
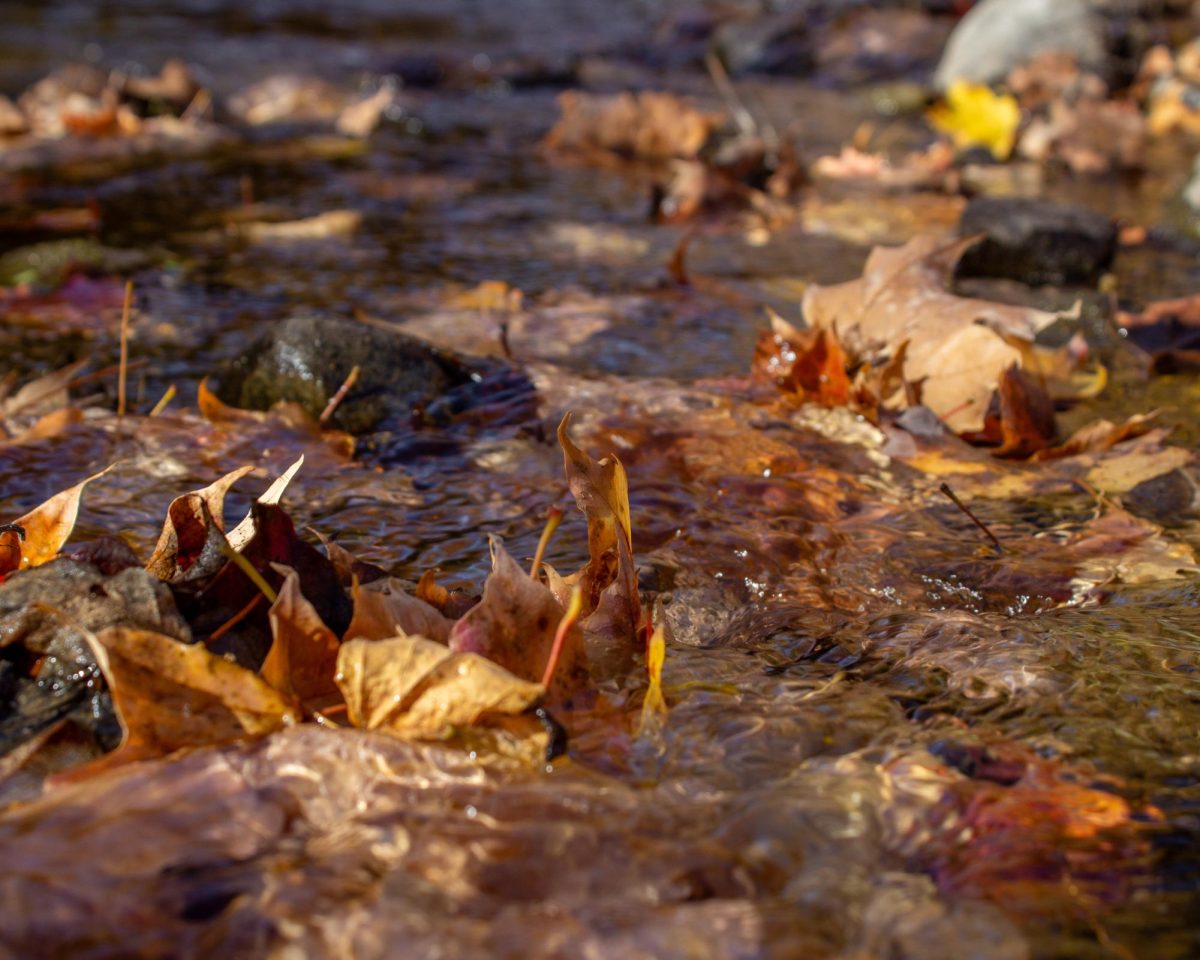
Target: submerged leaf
(413, 687)
(384, 608)
(654, 707)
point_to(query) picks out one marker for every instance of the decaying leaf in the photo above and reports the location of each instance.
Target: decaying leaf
(953, 348)
(974, 116)
(383, 608)
(45, 529)
(171, 695)
(415, 688)
(302, 660)
(514, 625)
(654, 707)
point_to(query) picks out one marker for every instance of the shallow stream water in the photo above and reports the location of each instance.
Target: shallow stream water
(881, 742)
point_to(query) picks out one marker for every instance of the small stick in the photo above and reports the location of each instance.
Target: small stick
(163, 401)
(236, 618)
(945, 488)
(741, 115)
(554, 518)
(248, 569)
(337, 398)
(504, 344)
(574, 608)
(123, 367)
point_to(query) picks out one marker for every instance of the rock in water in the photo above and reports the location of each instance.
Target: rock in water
(997, 35)
(1034, 241)
(306, 359)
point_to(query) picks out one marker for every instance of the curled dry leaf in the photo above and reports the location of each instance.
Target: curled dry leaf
(46, 528)
(415, 688)
(514, 625)
(954, 349)
(194, 524)
(170, 695)
(302, 660)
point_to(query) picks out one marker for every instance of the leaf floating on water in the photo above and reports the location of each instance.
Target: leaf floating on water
(418, 689)
(302, 660)
(46, 528)
(171, 695)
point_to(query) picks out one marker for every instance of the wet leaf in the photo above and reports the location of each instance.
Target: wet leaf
(415, 688)
(171, 695)
(46, 528)
(974, 116)
(193, 520)
(654, 707)
(514, 625)
(383, 608)
(302, 660)
(953, 348)
(1026, 415)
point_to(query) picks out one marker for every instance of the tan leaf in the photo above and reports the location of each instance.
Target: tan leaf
(384, 609)
(415, 688)
(240, 535)
(170, 695)
(954, 347)
(514, 625)
(647, 126)
(302, 661)
(45, 394)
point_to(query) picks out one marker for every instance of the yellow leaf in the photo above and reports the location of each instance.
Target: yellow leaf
(654, 707)
(974, 116)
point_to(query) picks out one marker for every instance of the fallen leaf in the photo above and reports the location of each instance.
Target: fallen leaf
(415, 688)
(1026, 415)
(1139, 461)
(171, 695)
(974, 116)
(647, 126)
(654, 707)
(302, 661)
(187, 534)
(515, 624)
(46, 528)
(383, 608)
(1100, 435)
(953, 348)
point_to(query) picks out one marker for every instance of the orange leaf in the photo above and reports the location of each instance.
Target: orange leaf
(46, 527)
(170, 695)
(302, 660)
(384, 609)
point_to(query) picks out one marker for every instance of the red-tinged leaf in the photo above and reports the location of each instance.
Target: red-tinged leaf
(819, 371)
(385, 609)
(514, 625)
(171, 695)
(192, 530)
(302, 661)
(46, 528)
(1026, 415)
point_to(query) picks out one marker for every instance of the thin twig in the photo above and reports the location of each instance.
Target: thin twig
(236, 618)
(163, 401)
(737, 107)
(553, 519)
(337, 398)
(574, 608)
(945, 488)
(123, 368)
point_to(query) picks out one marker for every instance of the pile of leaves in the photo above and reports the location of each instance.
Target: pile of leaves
(276, 632)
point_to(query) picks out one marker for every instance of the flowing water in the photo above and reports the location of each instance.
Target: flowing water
(883, 741)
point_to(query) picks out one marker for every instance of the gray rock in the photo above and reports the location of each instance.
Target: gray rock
(1035, 241)
(779, 44)
(997, 35)
(306, 359)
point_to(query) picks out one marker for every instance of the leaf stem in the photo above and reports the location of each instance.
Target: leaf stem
(574, 608)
